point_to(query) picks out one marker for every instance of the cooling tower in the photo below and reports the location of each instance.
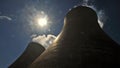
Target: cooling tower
(29, 55)
(81, 44)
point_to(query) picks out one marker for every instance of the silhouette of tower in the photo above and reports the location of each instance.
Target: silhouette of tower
(29, 55)
(81, 44)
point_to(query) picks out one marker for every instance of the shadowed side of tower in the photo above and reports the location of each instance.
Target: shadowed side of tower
(29, 55)
(81, 44)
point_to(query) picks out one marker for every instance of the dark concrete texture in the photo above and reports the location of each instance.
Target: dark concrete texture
(81, 44)
(32, 51)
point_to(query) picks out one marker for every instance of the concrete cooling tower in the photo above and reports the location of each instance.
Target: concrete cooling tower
(81, 44)
(29, 55)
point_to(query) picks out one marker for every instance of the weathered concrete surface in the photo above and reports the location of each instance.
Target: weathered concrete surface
(32, 51)
(81, 44)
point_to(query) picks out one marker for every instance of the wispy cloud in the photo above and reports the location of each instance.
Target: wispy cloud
(44, 40)
(5, 17)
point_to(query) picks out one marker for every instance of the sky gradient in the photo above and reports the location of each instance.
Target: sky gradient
(17, 25)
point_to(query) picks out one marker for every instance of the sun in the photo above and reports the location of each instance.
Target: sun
(42, 21)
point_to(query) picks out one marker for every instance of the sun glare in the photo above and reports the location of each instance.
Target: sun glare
(42, 22)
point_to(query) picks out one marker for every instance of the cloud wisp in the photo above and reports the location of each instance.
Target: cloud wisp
(44, 40)
(5, 17)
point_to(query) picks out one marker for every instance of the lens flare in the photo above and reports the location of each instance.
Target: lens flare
(42, 22)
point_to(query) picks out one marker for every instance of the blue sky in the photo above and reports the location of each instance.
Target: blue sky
(16, 17)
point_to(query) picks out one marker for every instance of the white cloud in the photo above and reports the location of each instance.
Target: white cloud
(101, 18)
(100, 23)
(44, 40)
(34, 35)
(85, 2)
(5, 17)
